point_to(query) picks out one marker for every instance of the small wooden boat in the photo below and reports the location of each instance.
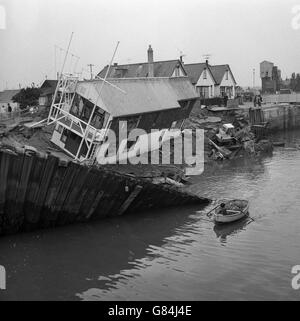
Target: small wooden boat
(235, 210)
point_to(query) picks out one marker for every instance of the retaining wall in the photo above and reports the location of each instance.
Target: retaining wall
(39, 191)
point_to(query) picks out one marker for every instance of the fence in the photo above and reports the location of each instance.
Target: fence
(39, 190)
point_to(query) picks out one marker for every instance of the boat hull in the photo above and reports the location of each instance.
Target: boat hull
(229, 218)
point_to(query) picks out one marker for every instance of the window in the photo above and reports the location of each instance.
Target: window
(64, 135)
(203, 91)
(204, 74)
(60, 128)
(97, 120)
(226, 75)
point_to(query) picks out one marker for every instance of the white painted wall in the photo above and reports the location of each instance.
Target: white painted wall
(180, 72)
(228, 83)
(208, 82)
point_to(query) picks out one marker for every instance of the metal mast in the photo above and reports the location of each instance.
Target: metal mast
(93, 111)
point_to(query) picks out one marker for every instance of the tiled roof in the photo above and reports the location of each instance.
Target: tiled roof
(194, 71)
(137, 95)
(219, 72)
(161, 69)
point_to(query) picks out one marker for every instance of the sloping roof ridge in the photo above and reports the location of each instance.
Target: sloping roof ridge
(195, 63)
(134, 78)
(142, 63)
(220, 65)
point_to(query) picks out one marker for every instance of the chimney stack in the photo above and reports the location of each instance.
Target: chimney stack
(150, 62)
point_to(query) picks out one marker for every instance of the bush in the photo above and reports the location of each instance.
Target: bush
(27, 97)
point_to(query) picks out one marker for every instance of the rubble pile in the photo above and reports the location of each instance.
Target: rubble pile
(241, 140)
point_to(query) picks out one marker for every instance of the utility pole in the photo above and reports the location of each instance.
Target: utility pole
(253, 78)
(91, 70)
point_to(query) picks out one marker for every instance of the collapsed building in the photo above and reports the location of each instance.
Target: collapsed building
(87, 110)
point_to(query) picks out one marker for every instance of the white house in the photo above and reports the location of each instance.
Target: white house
(211, 81)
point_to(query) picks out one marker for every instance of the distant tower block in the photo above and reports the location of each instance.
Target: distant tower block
(266, 68)
(270, 77)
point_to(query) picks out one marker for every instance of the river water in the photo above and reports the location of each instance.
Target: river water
(174, 254)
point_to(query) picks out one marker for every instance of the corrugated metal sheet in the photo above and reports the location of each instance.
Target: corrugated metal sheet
(142, 95)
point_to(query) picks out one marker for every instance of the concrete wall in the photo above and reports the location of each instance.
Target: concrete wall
(283, 98)
(282, 117)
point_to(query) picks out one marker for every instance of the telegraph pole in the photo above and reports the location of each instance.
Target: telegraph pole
(253, 78)
(91, 70)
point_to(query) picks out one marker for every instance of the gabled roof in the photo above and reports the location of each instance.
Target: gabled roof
(219, 72)
(161, 69)
(7, 95)
(137, 95)
(194, 71)
(49, 83)
(48, 87)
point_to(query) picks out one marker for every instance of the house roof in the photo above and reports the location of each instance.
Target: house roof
(48, 87)
(219, 72)
(131, 96)
(49, 83)
(7, 95)
(194, 71)
(161, 69)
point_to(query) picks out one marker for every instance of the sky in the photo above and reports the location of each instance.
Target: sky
(34, 35)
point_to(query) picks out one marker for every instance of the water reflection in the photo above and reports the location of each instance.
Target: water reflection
(174, 254)
(78, 256)
(222, 231)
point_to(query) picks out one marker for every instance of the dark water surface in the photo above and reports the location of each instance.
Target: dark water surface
(174, 254)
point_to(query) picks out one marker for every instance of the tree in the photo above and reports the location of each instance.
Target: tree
(27, 97)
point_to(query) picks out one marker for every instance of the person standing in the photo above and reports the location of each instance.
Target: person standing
(255, 100)
(259, 100)
(225, 99)
(9, 109)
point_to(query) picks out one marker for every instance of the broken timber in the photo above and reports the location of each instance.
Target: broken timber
(40, 190)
